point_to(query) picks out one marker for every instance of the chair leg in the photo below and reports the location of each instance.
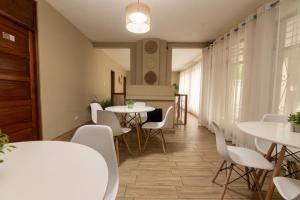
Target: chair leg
(247, 177)
(147, 138)
(219, 170)
(126, 144)
(289, 167)
(163, 142)
(117, 149)
(163, 138)
(295, 167)
(226, 182)
(264, 175)
(256, 183)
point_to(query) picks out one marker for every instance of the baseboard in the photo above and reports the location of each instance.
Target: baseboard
(68, 135)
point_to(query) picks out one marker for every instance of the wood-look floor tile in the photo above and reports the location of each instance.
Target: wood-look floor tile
(151, 191)
(205, 172)
(200, 192)
(158, 181)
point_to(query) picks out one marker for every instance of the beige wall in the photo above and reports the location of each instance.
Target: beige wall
(100, 75)
(175, 78)
(71, 72)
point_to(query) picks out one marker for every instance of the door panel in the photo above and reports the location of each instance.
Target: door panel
(14, 65)
(18, 106)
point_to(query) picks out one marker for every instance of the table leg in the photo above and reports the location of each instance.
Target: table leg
(268, 157)
(276, 172)
(138, 130)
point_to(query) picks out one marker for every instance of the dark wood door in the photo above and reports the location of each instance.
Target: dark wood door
(18, 101)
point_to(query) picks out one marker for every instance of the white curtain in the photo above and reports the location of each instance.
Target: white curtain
(238, 72)
(190, 84)
(287, 82)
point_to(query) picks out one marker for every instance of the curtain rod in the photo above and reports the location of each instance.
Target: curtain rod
(272, 5)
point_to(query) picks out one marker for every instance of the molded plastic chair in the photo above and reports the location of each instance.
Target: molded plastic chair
(94, 108)
(288, 188)
(239, 156)
(110, 119)
(131, 116)
(100, 138)
(155, 128)
(264, 145)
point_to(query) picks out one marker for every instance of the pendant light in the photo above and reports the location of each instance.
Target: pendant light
(137, 17)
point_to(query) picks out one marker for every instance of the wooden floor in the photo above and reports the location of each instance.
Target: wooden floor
(185, 172)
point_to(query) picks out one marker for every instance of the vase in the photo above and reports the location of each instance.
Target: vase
(130, 105)
(296, 128)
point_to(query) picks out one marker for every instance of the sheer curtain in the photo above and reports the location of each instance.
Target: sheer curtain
(239, 70)
(287, 82)
(189, 83)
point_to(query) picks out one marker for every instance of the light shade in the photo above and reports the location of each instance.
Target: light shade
(137, 18)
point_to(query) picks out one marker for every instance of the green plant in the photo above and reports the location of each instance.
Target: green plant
(176, 87)
(4, 146)
(294, 118)
(104, 103)
(129, 102)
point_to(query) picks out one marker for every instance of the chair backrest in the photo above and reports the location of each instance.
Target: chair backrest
(261, 144)
(167, 116)
(139, 103)
(155, 115)
(100, 138)
(109, 119)
(275, 118)
(221, 142)
(94, 108)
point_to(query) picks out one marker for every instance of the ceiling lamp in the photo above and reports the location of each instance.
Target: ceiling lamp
(137, 17)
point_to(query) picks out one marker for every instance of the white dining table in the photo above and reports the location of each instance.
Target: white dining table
(277, 133)
(52, 170)
(136, 110)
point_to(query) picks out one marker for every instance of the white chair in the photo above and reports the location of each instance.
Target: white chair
(94, 108)
(239, 156)
(100, 138)
(288, 188)
(110, 119)
(131, 116)
(155, 128)
(264, 145)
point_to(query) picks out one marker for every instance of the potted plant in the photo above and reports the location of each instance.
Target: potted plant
(294, 119)
(130, 103)
(176, 88)
(104, 103)
(4, 146)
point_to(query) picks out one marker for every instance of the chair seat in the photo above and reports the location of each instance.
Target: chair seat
(249, 158)
(288, 188)
(123, 131)
(126, 130)
(153, 125)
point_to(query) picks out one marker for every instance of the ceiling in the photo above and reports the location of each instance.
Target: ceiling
(180, 57)
(172, 20)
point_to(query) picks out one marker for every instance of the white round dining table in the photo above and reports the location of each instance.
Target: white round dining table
(52, 170)
(277, 133)
(136, 110)
(125, 109)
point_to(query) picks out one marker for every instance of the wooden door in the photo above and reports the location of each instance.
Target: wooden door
(18, 99)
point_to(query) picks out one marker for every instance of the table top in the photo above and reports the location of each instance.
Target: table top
(125, 109)
(51, 170)
(279, 133)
